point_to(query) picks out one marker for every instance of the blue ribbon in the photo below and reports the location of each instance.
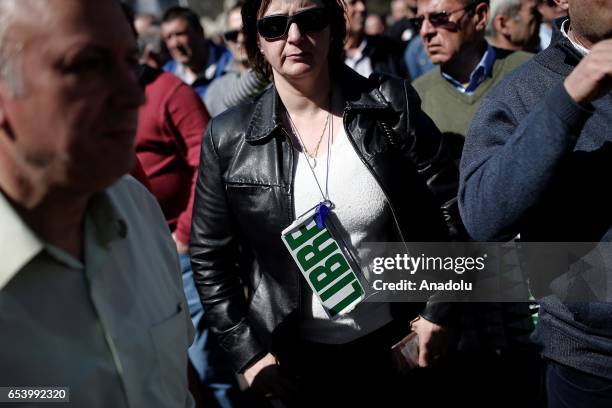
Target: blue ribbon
(321, 213)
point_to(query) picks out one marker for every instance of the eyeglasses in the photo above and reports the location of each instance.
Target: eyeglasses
(309, 20)
(231, 35)
(441, 19)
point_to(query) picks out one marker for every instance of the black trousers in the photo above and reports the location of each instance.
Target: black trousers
(360, 373)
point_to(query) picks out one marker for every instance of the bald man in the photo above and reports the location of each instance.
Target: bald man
(90, 288)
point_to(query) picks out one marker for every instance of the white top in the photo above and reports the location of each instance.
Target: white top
(359, 62)
(364, 215)
(115, 329)
(579, 47)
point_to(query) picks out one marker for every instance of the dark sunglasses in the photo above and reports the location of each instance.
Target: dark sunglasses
(277, 26)
(231, 35)
(441, 19)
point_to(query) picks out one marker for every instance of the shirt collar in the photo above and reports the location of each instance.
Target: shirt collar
(207, 73)
(106, 219)
(19, 244)
(232, 66)
(483, 70)
(359, 53)
(565, 31)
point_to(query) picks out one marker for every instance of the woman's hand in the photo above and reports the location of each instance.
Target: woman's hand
(266, 378)
(433, 340)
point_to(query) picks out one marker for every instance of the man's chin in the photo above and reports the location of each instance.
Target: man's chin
(438, 59)
(182, 58)
(96, 178)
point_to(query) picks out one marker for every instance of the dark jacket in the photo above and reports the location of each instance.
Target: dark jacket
(535, 163)
(386, 56)
(244, 199)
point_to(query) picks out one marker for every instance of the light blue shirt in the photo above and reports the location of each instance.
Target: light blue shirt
(218, 58)
(115, 327)
(416, 58)
(483, 70)
(545, 36)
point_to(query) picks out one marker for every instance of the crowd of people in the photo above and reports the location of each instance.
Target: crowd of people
(310, 124)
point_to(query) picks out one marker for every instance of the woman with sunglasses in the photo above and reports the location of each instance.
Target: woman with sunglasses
(321, 136)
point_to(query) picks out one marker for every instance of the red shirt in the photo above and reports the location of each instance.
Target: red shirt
(170, 129)
(139, 174)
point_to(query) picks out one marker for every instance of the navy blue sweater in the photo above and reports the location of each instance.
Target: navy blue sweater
(536, 163)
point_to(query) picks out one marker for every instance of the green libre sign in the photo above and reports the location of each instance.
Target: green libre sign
(324, 266)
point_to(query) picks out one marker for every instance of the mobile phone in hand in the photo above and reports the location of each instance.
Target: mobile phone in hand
(406, 353)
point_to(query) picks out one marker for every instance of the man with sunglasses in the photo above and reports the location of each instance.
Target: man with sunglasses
(195, 59)
(492, 351)
(453, 33)
(237, 83)
(535, 163)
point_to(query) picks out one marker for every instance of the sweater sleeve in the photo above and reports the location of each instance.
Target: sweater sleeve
(189, 118)
(231, 90)
(508, 162)
(139, 174)
(246, 87)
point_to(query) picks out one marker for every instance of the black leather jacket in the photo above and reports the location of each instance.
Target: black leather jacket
(244, 199)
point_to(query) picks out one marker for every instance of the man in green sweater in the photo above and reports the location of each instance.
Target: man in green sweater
(453, 32)
(494, 350)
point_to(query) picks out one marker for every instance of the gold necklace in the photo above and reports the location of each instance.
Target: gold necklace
(295, 130)
(314, 157)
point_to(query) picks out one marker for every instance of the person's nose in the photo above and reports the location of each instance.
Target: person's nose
(171, 41)
(427, 29)
(360, 6)
(294, 34)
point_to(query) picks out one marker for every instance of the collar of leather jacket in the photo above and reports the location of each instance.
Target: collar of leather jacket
(361, 94)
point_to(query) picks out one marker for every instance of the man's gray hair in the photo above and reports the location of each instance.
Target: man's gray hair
(509, 8)
(10, 47)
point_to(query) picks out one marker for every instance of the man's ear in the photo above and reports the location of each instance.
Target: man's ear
(2, 110)
(482, 16)
(564, 4)
(500, 23)
(19, 178)
(5, 126)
